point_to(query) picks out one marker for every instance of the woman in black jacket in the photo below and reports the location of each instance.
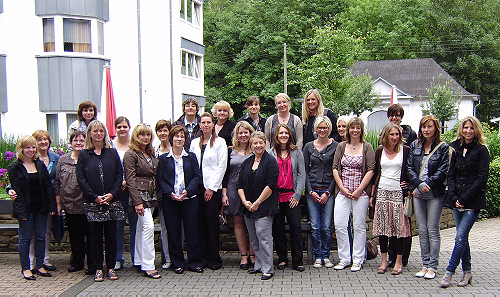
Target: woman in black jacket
(467, 179)
(100, 174)
(35, 199)
(427, 169)
(258, 192)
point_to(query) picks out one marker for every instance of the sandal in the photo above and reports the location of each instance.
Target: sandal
(153, 275)
(112, 275)
(397, 271)
(244, 266)
(252, 262)
(99, 276)
(179, 270)
(381, 270)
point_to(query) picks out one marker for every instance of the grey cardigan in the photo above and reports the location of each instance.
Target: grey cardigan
(298, 170)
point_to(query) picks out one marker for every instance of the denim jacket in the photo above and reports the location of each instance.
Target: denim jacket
(437, 165)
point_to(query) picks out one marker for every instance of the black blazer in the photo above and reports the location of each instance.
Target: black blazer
(265, 175)
(438, 167)
(18, 176)
(226, 132)
(87, 173)
(166, 175)
(468, 175)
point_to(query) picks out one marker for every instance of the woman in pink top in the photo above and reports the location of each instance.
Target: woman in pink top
(291, 183)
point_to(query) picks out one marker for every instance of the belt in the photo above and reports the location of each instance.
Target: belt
(281, 190)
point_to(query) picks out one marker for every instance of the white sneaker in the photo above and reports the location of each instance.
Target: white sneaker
(341, 266)
(317, 263)
(422, 272)
(327, 263)
(430, 274)
(166, 265)
(356, 267)
(118, 265)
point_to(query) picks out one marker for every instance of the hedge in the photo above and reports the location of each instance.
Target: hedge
(493, 191)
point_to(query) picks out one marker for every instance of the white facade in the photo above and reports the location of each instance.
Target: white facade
(167, 33)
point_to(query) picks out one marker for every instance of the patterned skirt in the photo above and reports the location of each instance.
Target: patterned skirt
(389, 219)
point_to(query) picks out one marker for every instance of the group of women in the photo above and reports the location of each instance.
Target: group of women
(206, 165)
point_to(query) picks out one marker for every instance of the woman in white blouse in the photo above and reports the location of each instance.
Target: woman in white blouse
(211, 152)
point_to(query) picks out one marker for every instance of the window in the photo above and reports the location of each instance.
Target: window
(190, 64)
(48, 35)
(190, 11)
(53, 127)
(70, 118)
(77, 36)
(100, 37)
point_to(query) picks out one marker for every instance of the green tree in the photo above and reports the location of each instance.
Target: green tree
(328, 71)
(442, 102)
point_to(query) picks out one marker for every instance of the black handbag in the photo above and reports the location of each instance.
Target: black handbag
(103, 212)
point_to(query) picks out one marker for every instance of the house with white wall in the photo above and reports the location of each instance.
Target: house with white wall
(410, 79)
(52, 54)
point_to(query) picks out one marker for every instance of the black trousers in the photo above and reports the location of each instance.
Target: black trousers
(293, 218)
(79, 239)
(209, 228)
(399, 244)
(393, 246)
(178, 214)
(97, 230)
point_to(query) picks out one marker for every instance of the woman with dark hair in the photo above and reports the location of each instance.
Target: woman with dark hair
(87, 112)
(70, 197)
(312, 106)
(121, 144)
(353, 166)
(190, 119)
(224, 127)
(253, 117)
(427, 169)
(140, 166)
(179, 179)
(239, 152)
(100, 176)
(283, 104)
(318, 160)
(211, 152)
(258, 193)
(390, 185)
(467, 179)
(35, 199)
(291, 183)
(162, 129)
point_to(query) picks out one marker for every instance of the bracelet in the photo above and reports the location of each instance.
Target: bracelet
(257, 201)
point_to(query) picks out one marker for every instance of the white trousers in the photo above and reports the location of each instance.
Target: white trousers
(48, 231)
(342, 210)
(144, 241)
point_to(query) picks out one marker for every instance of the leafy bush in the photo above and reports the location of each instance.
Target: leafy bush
(493, 142)
(493, 191)
(372, 137)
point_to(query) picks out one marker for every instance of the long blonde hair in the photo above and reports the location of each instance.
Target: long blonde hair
(245, 125)
(478, 130)
(384, 137)
(88, 140)
(306, 112)
(134, 139)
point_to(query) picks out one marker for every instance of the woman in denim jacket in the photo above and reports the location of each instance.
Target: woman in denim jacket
(428, 189)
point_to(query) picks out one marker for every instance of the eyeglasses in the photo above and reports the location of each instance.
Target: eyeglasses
(322, 128)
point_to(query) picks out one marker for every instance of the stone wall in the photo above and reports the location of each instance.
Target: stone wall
(9, 238)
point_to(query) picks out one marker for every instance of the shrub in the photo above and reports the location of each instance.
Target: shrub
(493, 191)
(372, 137)
(493, 142)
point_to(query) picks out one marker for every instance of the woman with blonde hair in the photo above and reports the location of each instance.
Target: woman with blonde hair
(390, 186)
(140, 166)
(427, 170)
(341, 129)
(100, 175)
(467, 180)
(224, 127)
(353, 166)
(237, 153)
(35, 200)
(211, 152)
(284, 116)
(312, 106)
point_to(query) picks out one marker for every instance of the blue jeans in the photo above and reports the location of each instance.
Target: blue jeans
(464, 221)
(428, 214)
(36, 224)
(120, 229)
(320, 216)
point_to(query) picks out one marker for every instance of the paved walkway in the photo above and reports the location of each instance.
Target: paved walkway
(485, 249)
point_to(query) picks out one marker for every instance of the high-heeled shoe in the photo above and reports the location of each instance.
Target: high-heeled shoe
(466, 279)
(45, 274)
(31, 277)
(244, 266)
(250, 259)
